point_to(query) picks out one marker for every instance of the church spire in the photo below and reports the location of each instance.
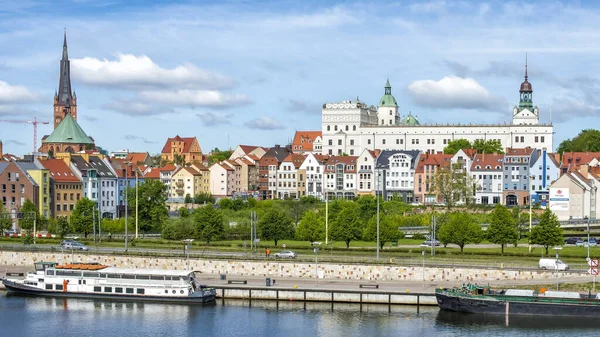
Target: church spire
(65, 54)
(64, 99)
(526, 91)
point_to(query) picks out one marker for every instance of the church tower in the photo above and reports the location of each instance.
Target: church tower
(526, 112)
(65, 100)
(387, 111)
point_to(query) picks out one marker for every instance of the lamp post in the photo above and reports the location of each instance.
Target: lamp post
(530, 212)
(377, 196)
(326, 214)
(136, 204)
(423, 248)
(557, 249)
(126, 206)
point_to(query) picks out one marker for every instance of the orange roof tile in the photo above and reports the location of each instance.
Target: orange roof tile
(60, 171)
(488, 159)
(154, 173)
(435, 159)
(294, 158)
(303, 140)
(137, 157)
(574, 159)
(168, 167)
(519, 152)
(187, 143)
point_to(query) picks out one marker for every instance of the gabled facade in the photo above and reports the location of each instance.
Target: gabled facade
(126, 177)
(543, 172)
(249, 174)
(395, 174)
(244, 150)
(16, 186)
(517, 174)
(486, 171)
(572, 160)
(313, 168)
(267, 171)
(427, 167)
(35, 171)
(221, 180)
(288, 179)
(582, 196)
(204, 179)
(65, 188)
(186, 148)
(307, 142)
(108, 187)
(235, 186)
(185, 182)
(340, 177)
(366, 172)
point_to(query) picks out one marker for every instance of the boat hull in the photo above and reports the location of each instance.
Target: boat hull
(489, 305)
(18, 288)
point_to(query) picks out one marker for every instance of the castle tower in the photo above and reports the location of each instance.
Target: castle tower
(526, 112)
(387, 111)
(65, 100)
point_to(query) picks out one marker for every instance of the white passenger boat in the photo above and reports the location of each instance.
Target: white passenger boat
(91, 280)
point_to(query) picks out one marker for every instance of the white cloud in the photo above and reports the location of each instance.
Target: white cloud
(453, 92)
(15, 93)
(332, 17)
(196, 98)
(303, 106)
(140, 71)
(264, 123)
(210, 118)
(133, 107)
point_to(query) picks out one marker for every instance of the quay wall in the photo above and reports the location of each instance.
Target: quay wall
(291, 269)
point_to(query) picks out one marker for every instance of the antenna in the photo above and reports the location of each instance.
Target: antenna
(550, 115)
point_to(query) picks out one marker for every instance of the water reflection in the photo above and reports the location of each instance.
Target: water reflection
(457, 319)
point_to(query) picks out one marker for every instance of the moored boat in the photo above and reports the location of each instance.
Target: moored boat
(92, 280)
(485, 300)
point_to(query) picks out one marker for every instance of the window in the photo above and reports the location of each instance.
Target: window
(129, 290)
(542, 138)
(339, 142)
(536, 139)
(140, 291)
(335, 128)
(328, 127)
(108, 289)
(368, 141)
(330, 142)
(383, 141)
(354, 128)
(516, 139)
(119, 290)
(522, 139)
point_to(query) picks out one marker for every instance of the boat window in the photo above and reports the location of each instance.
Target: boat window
(173, 291)
(49, 272)
(108, 289)
(102, 275)
(97, 289)
(143, 277)
(48, 287)
(90, 274)
(128, 276)
(129, 290)
(68, 273)
(119, 290)
(39, 267)
(157, 277)
(114, 276)
(140, 291)
(59, 287)
(181, 291)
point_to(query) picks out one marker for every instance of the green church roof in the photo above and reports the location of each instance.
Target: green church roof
(410, 120)
(387, 99)
(68, 131)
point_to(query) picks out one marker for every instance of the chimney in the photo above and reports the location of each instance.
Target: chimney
(483, 156)
(1, 153)
(584, 169)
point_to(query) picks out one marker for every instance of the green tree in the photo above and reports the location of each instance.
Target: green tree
(209, 223)
(179, 159)
(226, 203)
(188, 199)
(183, 212)
(460, 229)
(217, 155)
(311, 227)
(29, 214)
(587, 140)
(388, 230)
(502, 229)
(275, 225)
(152, 204)
(62, 226)
(82, 220)
(346, 225)
(547, 232)
(5, 219)
(179, 229)
(456, 145)
(488, 146)
(204, 198)
(453, 184)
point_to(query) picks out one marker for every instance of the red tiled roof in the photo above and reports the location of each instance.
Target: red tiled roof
(168, 167)
(347, 160)
(294, 158)
(119, 165)
(187, 143)
(519, 152)
(137, 157)
(470, 152)
(303, 140)
(245, 161)
(248, 148)
(435, 159)
(488, 159)
(60, 171)
(253, 157)
(321, 158)
(574, 159)
(154, 173)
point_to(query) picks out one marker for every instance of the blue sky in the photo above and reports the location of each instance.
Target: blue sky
(232, 72)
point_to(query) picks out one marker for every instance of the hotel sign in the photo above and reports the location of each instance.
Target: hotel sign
(559, 199)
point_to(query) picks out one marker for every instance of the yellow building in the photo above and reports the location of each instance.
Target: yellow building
(40, 175)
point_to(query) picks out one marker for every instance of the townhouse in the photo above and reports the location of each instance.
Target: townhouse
(427, 167)
(517, 175)
(486, 171)
(313, 168)
(291, 183)
(395, 174)
(65, 187)
(543, 171)
(16, 186)
(307, 142)
(268, 166)
(340, 177)
(366, 163)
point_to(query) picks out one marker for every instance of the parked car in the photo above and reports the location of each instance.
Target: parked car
(593, 242)
(580, 243)
(553, 264)
(431, 243)
(74, 245)
(571, 241)
(286, 254)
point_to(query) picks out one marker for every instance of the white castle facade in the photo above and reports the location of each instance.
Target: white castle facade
(349, 127)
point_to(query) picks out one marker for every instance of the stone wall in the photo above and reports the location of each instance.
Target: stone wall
(285, 268)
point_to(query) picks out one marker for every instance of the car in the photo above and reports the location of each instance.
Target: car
(571, 241)
(286, 254)
(593, 242)
(580, 243)
(431, 243)
(74, 245)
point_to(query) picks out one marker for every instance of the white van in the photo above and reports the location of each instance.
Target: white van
(551, 264)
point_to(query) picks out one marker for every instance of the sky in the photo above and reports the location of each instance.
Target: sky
(244, 72)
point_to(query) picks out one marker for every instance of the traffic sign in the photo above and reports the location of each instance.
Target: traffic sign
(593, 263)
(593, 271)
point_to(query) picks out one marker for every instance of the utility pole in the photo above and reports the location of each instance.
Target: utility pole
(377, 196)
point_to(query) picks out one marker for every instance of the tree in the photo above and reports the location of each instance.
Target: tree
(179, 159)
(183, 212)
(179, 229)
(209, 223)
(488, 146)
(204, 198)
(547, 232)
(275, 225)
(295, 209)
(188, 199)
(502, 229)
(226, 203)
(388, 230)
(217, 155)
(82, 220)
(453, 184)
(456, 145)
(587, 140)
(29, 215)
(62, 226)
(158, 160)
(460, 229)
(5, 219)
(346, 225)
(311, 228)
(152, 204)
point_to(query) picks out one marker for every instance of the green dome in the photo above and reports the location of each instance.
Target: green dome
(409, 120)
(387, 99)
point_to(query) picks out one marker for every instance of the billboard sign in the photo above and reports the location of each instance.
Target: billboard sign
(559, 199)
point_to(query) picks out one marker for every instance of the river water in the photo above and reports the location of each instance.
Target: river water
(50, 317)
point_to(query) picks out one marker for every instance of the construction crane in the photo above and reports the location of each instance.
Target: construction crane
(35, 123)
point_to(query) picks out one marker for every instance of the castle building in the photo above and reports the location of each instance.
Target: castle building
(350, 127)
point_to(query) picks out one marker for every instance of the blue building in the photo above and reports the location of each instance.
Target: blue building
(544, 170)
(126, 177)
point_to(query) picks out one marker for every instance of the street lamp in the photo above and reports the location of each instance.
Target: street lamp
(377, 196)
(530, 211)
(558, 249)
(126, 205)
(423, 248)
